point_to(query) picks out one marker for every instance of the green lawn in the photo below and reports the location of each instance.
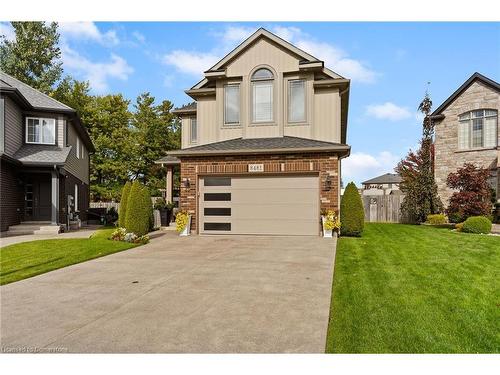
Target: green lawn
(415, 289)
(27, 259)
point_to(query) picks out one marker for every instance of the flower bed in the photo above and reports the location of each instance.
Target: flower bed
(120, 234)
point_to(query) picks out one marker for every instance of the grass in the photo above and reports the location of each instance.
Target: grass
(415, 289)
(28, 259)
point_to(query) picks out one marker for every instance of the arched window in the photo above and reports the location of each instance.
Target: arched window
(477, 129)
(262, 95)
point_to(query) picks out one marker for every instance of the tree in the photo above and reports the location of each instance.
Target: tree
(75, 94)
(137, 218)
(34, 56)
(473, 195)
(123, 204)
(352, 216)
(417, 173)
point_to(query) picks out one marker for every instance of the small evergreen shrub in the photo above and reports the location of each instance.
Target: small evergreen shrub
(352, 215)
(477, 224)
(459, 227)
(436, 219)
(138, 218)
(122, 211)
(148, 207)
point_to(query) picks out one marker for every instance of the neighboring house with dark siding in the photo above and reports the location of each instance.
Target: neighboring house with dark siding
(44, 151)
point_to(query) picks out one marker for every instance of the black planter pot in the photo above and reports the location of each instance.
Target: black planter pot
(165, 217)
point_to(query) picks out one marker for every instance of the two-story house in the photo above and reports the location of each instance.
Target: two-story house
(382, 185)
(467, 131)
(44, 150)
(263, 141)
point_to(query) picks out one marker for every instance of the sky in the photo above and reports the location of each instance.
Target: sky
(391, 65)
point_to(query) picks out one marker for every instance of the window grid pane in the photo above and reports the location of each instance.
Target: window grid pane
(297, 101)
(490, 132)
(477, 132)
(48, 131)
(463, 135)
(232, 104)
(263, 102)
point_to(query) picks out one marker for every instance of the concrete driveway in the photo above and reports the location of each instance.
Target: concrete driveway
(188, 295)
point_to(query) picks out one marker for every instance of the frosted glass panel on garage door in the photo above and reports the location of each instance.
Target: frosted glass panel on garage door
(278, 205)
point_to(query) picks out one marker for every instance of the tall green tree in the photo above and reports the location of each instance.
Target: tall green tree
(75, 94)
(417, 173)
(34, 56)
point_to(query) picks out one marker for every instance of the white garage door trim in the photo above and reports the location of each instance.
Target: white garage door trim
(284, 204)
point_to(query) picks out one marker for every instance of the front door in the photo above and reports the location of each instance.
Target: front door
(37, 198)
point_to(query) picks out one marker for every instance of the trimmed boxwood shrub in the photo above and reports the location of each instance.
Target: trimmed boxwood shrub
(436, 219)
(123, 205)
(148, 207)
(352, 215)
(137, 218)
(477, 224)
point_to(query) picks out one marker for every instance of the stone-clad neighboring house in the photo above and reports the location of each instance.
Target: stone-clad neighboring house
(263, 142)
(467, 130)
(382, 185)
(44, 151)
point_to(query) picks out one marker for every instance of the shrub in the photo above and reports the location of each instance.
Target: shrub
(436, 219)
(148, 207)
(477, 224)
(160, 204)
(118, 234)
(181, 220)
(122, 212)
(459, 227)
(473, 195)
(137, 219)
(332, 221)
(352, 216)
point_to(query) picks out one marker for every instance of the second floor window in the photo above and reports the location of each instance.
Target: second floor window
(297, 100)
(231, 104)
(194, 130)
(477, 129)
(262, 95)
(41, 130)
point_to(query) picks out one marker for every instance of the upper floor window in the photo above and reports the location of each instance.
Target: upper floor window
(262, 95)
(297, 100)
(41, 130)
(232, 104)
(477, 129)
(78, 148)
(194, 130)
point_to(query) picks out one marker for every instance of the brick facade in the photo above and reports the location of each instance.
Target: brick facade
(323, 164)
(447, 156)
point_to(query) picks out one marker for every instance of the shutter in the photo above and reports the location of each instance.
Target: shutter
(263, 102)
(490, 132)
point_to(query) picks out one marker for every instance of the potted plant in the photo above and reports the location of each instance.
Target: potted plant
(165, 211)
(330, 223)
(183, 223)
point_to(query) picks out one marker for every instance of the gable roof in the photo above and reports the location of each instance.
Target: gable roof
(473, 78)
(34, 99)
(388, 178)
(239, 146)
(305, 58)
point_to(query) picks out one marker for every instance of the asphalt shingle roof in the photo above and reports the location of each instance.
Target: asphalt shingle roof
(168, 160)
(187, 107)
(388, 178)
(261, 144)
(36, 98)
(42, 154)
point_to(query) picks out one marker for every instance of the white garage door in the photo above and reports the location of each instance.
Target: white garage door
(280, 205)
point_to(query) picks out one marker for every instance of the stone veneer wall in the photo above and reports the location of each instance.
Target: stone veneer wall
(447, 156)
(325, 164)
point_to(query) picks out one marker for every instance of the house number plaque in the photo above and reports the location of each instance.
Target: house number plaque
(255, 167)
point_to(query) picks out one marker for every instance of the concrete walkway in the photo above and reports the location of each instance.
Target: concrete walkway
(179, 294)
(84, 232)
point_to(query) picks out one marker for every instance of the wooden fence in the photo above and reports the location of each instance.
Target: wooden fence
(383, 208)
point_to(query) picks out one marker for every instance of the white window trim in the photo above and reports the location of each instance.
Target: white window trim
(289, 101)
(77, 148)
(191, 140)
(41, 132)
(229, 124)
(469, 121)
(75, 198)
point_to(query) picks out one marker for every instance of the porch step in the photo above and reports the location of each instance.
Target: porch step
(33, 228)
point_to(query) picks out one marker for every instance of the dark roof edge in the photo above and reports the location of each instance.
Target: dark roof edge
(463, 87)
(345, 149)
